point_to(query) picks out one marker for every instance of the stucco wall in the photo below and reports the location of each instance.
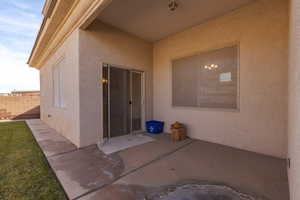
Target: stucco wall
(261, 29)
(66, 120)
(103, 44)
(19, 107)
(294, 101)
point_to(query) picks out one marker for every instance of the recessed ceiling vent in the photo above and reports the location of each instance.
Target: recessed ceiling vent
(173, 5)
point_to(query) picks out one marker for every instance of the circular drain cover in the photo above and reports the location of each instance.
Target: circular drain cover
(201, 192)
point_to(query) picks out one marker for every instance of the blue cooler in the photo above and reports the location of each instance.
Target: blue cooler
(155, 127)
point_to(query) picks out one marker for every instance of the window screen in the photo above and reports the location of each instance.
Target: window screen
(58, 95)
(208, 80)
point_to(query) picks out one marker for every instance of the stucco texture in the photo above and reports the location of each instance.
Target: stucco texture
(64, 120)
(294, 101)
(19, 107)
(260, 124)
(100, 44)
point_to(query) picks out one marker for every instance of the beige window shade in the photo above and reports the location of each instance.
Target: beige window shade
(58, 84)
(208, 79)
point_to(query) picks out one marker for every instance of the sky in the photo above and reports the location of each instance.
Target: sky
(19, 23)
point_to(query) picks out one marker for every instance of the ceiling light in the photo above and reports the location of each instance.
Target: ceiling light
(173, 5)
(211, 66)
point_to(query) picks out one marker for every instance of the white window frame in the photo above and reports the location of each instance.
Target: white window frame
(58, 84)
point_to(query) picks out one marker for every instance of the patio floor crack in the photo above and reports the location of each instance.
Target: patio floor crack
(134, 170)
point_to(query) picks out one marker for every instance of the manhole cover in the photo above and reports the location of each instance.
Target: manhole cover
(200, 192)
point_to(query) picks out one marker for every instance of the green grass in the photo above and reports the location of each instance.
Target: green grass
(24, 171)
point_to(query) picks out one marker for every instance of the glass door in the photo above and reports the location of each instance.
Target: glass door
(105, 100)
(136, 100)
(119, 93)
(122, 101)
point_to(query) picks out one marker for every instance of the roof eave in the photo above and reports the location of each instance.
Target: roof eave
(47, 13)
(29, 62)
(66, 16)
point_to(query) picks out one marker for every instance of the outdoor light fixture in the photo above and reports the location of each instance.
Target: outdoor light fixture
(211, 67)
(104, 80)
(173, 5)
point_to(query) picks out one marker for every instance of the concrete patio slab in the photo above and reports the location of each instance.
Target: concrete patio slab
(85, 169)
(248, 172)
(138, 156)
(88, 169)
(35, 122)
(81, 171)
(120, 143)
(51, 142)
(146, 169)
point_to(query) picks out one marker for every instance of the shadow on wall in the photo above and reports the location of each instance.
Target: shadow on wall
(19, 107)
(33, 113)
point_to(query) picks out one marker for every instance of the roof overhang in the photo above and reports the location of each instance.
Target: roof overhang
(61, 18)
(48, 8)
(153, 20)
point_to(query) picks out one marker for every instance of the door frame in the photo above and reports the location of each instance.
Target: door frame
(143, 99)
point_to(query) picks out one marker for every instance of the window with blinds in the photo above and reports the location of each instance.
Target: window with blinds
(207, 80)
(58, 84)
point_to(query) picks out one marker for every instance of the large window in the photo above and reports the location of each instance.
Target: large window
(207, 80)
(58, 86)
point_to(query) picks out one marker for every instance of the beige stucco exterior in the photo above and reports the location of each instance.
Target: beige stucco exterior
(294, 103)
(64, 120)
(266, 119)
(260, 123)
(103, 44)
